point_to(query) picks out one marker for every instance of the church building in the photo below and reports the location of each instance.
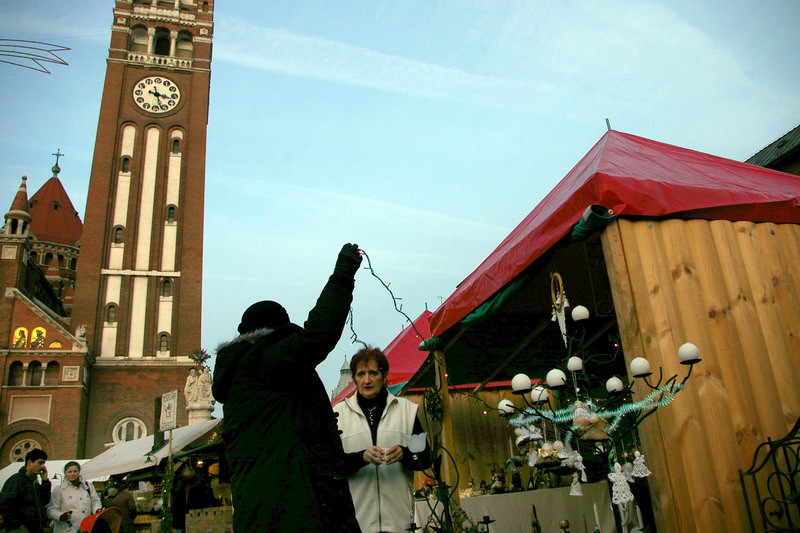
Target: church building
(98, 320)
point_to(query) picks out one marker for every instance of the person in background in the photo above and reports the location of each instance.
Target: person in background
(280, 435)
(25, 496)
(72, 501)
(127, 506)
(379, 467)
(110, 494)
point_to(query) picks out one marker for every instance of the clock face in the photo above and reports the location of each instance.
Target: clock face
(156, 94)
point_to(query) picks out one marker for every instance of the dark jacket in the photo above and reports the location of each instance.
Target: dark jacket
(23, 502)
(281, 437)
(127, 507)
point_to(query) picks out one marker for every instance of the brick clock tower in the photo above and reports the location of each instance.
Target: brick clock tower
(138, 286)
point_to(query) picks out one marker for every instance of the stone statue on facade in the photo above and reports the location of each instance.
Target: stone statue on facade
(197, 391)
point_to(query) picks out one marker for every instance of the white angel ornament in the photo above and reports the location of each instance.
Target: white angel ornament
(575, 489)
(620, 491)
(639, 468)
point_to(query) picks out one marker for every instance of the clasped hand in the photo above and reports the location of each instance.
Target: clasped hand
(376, 455)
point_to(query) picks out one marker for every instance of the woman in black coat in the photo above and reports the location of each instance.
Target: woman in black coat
(280, 434)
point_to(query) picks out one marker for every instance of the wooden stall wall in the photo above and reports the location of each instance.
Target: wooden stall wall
(733, 289)
(480, 439)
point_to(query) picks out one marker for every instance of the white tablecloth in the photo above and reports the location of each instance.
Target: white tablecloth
(512, 511)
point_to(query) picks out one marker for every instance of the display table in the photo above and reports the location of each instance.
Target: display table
(512, 511)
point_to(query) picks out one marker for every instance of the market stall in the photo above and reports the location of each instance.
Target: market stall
(144, 465)
(663, 246)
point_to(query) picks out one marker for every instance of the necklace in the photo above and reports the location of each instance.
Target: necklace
(371, 414)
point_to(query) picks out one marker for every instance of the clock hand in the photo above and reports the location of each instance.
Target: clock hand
(156, 94)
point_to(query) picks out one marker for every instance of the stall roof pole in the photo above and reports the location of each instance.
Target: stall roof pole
(449, 468)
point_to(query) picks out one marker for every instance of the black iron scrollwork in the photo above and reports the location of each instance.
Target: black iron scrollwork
(772, 484)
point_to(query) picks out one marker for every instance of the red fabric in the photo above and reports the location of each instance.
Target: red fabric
(103, 521)
(403, 355)
(632, 176)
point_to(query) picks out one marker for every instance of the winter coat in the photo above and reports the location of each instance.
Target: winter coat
(127, 507)
(81, 500)
(23, 501)
(280, 435)
(381, 493)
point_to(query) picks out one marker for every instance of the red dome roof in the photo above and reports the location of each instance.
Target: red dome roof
(54, 217)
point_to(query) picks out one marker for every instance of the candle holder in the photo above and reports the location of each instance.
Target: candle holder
(564, 416)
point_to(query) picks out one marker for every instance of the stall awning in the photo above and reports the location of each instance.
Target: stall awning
(403, 355)
(632, 176)
(134, 454)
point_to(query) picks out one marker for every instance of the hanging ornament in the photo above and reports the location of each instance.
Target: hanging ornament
(594, 429)
(639, 468)
(620, 490)
(559, 298)
(575, 489)
(548, 457)
(580, 467)
(627, 470)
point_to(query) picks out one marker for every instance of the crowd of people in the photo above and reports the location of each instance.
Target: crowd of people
(30, 504)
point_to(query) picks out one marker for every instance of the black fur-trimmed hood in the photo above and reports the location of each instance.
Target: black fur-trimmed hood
(230, 353)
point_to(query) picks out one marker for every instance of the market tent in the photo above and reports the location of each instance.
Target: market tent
(135, 454)
(55, 470)
(703, 250)
(403, 355)
(630, 176)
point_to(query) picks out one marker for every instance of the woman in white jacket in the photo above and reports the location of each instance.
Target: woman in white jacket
(72, 501)
(379, 468)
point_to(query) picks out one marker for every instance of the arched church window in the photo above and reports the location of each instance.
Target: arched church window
(130, 428)
(73, 263)
(15, 374)
(171, 213)
(51, 373)
(138, 41)
(118, 235)
(161, 43)
(34, 374)
(166, 288)
(163, 342)
(111, 314)
(176, 146)
(126, 164)
(48, 258)
(183, 47)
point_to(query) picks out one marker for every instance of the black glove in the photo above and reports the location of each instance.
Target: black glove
(348, 261)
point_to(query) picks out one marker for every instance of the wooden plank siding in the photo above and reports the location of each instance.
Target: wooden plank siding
(733, 289)
(480, 440)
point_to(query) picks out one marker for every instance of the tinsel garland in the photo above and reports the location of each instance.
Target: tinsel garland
(665, 395)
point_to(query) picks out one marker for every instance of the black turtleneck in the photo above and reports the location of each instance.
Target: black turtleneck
(373, 410)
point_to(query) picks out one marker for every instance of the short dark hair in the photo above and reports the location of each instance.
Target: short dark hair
(71, 464)
(34, 455)
(366, 355)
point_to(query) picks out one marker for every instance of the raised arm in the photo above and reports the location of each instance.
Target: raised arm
(325, 322)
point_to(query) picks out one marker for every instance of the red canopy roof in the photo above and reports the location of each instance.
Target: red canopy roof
(403, 355)
(632, 176)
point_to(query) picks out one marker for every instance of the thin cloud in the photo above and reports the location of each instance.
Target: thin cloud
(321, 202)
(282, 51)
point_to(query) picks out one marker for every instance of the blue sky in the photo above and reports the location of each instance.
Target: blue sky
(423, 130)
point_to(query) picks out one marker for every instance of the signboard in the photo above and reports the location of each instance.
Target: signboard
(169, 411)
